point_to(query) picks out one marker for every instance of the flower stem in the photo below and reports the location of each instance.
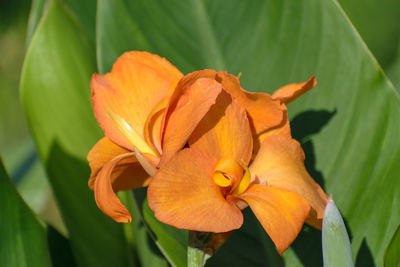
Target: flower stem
(198, 253)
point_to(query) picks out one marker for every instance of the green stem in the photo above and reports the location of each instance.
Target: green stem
(197, 249)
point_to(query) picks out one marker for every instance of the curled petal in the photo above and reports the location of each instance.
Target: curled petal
(280, 212)
(224, 132)
(137, 82)
(122, 172)
(290, 92)
(184, 113)
(101, 153)
(280, 163)
(183, 194)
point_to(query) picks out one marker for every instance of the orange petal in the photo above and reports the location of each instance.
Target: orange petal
(280, 163)
(183, 194)
(126, 175)
(137, 82)
(283, 129)
(113, 169)
(224, 132)
(290, 92)
(184, 113)
(101, 153)
(263, 111)
(280, 212)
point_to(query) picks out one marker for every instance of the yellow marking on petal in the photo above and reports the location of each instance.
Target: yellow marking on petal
(131, 134)
(147, 131)
(244, 183)
(227, 172)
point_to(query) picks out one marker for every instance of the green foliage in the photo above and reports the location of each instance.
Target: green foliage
(347, 125)
(392, 256)
(23, 238)
(55, 93)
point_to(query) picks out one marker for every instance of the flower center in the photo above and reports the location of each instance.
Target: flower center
(228, 174)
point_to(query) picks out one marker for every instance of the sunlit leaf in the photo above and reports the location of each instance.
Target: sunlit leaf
(355, 149)
(56, 96)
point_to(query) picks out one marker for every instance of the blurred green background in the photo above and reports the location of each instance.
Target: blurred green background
(16, 144)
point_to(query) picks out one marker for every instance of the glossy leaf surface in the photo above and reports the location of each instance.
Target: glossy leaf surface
(56, 96)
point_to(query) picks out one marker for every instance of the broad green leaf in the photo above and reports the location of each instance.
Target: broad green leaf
(23, 238)
(37, 9)
(56, 96)
(354, 153)
(335, 241)
(112, 15)
(85, 13)
(394, 70)
(379, 25)
(392, 256)
(28, 175)
(170, 241)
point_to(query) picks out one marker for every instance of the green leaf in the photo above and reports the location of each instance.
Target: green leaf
(56, 96)
(378, 23)
(247, 246)
(335, 241)
(111, 43)
(172, 242)
(23, 238)
(37, 9)
(392, 256)
(394, 70)
(85, 13)
(353, 153)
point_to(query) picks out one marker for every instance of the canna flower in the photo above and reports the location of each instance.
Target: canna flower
(130, 103)
(148, 111)
(205, 186)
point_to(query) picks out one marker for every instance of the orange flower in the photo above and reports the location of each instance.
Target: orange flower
(205, 186)
(130, 105)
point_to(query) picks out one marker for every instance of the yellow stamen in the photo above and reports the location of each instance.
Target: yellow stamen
(131, 134)
(244, 183)
(221, 180)
(227, 172)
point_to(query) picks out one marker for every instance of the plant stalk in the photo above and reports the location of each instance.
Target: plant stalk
(198, 252)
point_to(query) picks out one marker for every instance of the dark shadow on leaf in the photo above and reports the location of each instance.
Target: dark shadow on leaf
(309, 123)
(364, 256)
(59, 248)
(247, 246)
(303, 127)
(308, 246)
